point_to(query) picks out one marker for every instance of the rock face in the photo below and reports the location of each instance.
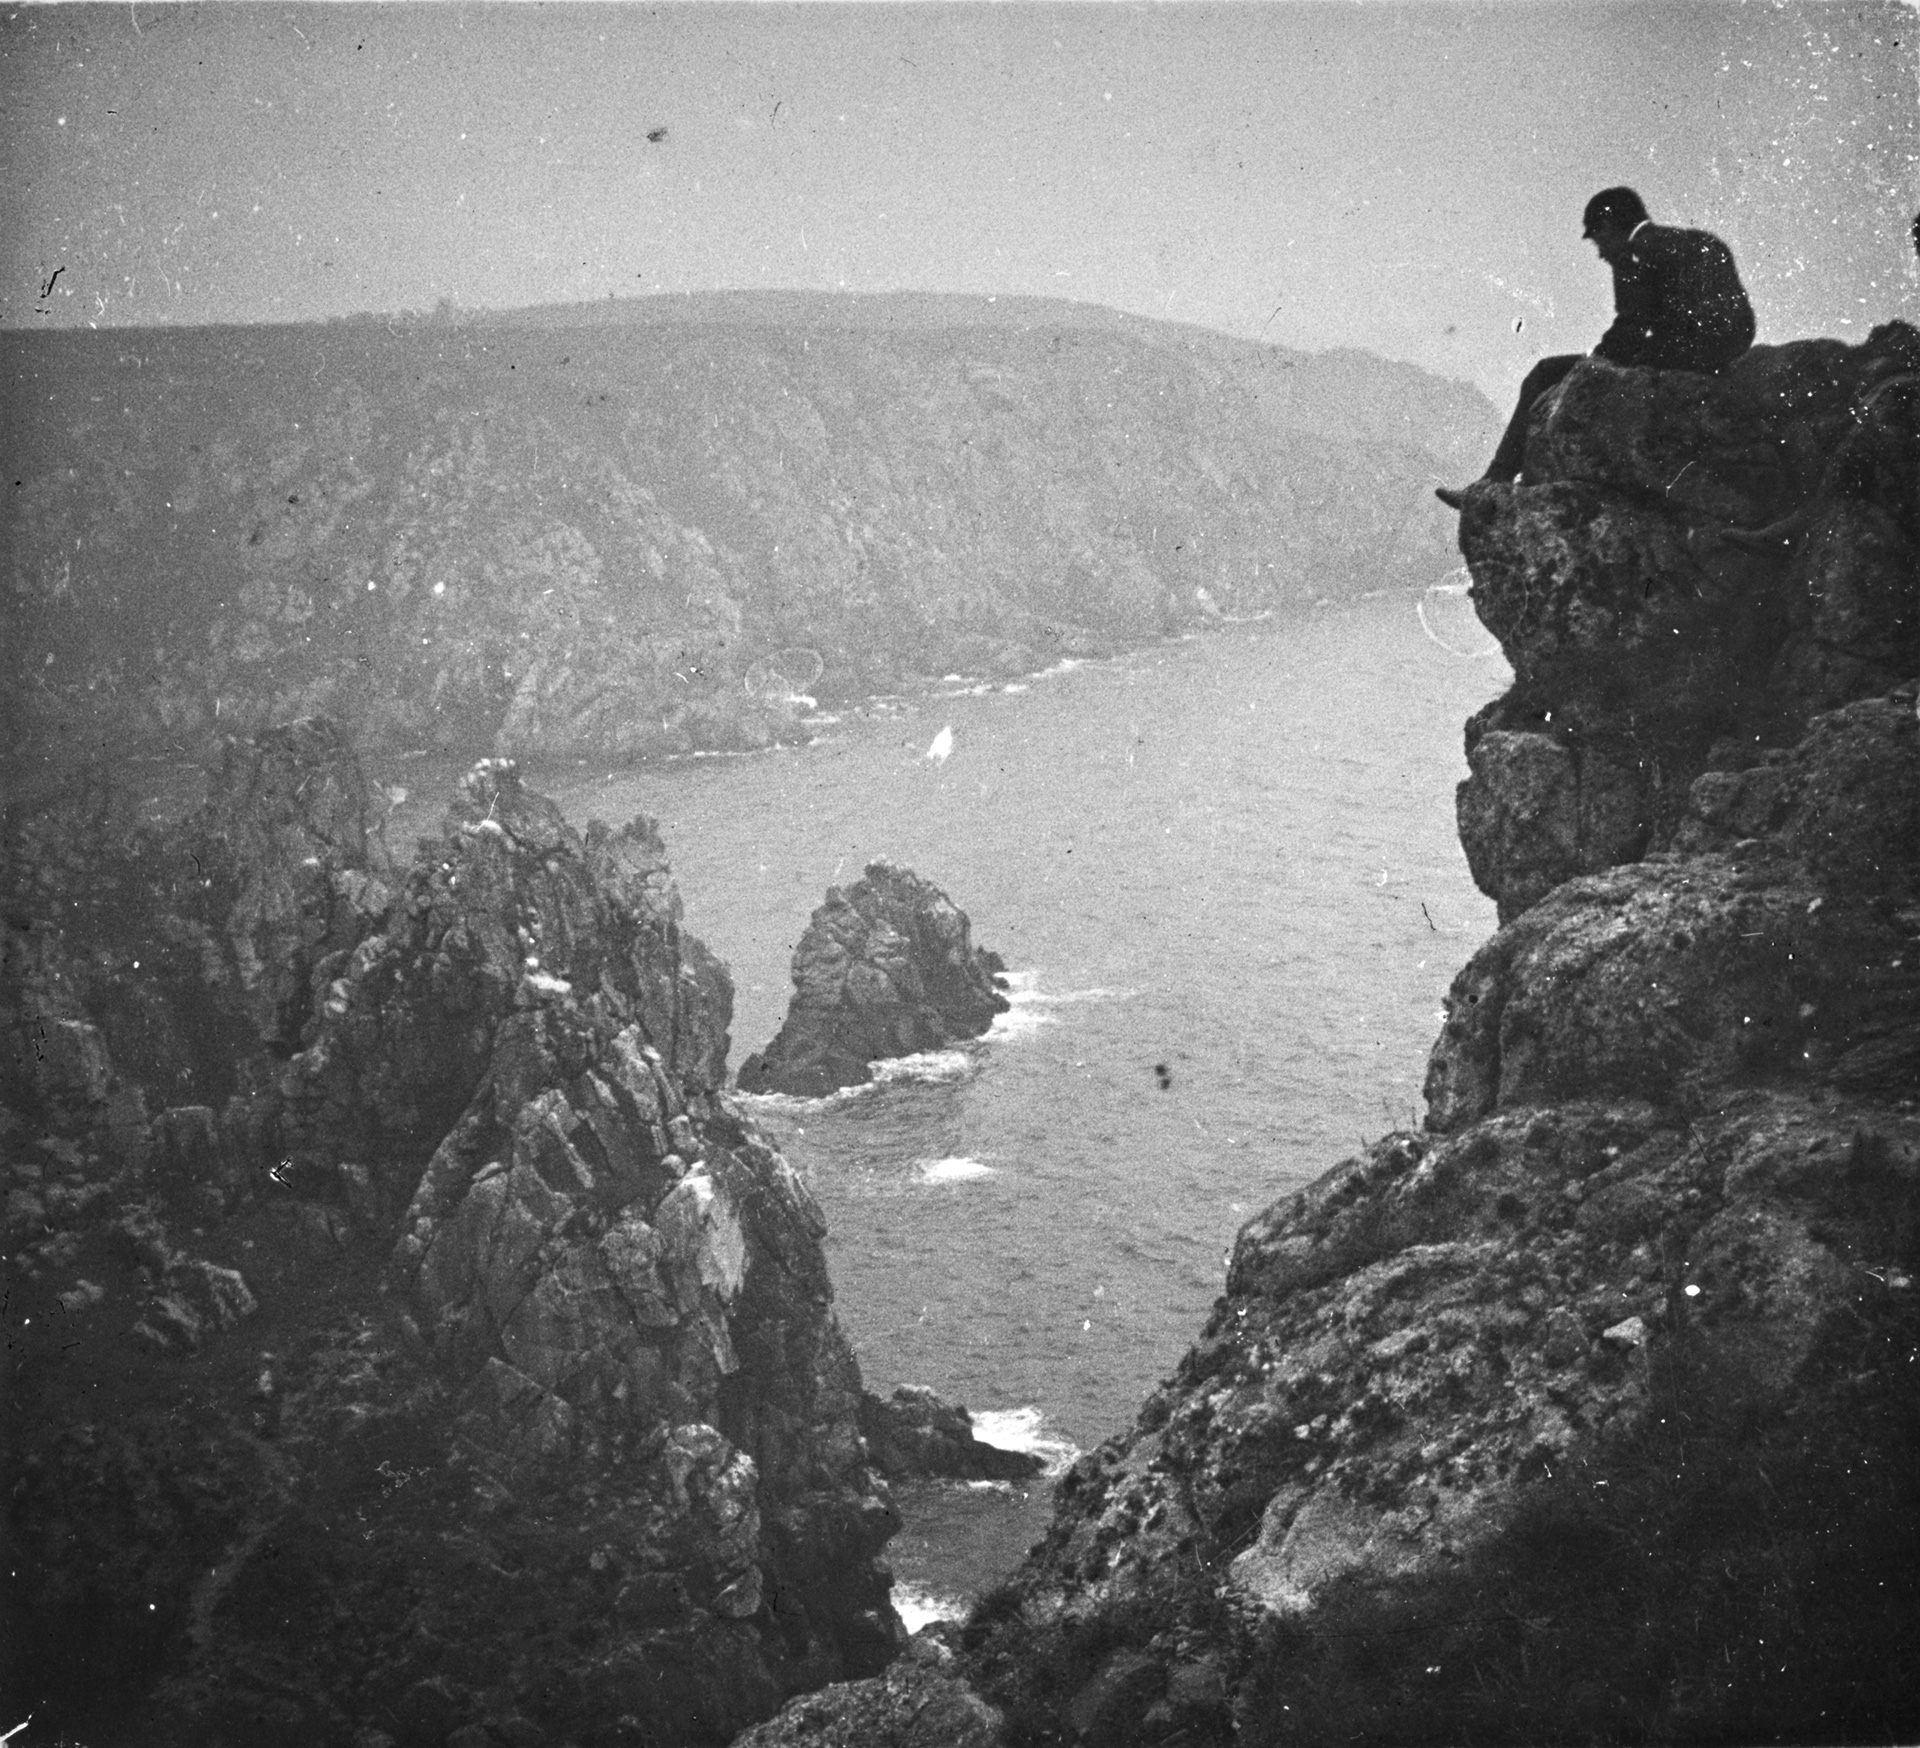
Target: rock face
(1588, 1411)
(450, 1361)
(921, 1702)
(1648, 646)
(886, 967)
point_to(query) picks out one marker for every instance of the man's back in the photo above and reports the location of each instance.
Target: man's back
(1678, 303)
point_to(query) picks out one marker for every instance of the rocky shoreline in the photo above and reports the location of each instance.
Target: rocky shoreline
(1586, 1411)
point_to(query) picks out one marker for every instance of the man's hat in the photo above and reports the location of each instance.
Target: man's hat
(1613, 207)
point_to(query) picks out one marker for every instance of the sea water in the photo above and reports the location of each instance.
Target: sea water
(1225, 879)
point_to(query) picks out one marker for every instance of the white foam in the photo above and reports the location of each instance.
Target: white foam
(1022, 989)
(1029, 1003)
(934, 1065)
(774, 1101)
(801, 1105)
(1018, 1020)
(1024, 1429)
(918, 1608)
(928, 1066)
(956, 1169)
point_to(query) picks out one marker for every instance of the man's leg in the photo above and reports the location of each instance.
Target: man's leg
(1512, 453)
(1511, 456)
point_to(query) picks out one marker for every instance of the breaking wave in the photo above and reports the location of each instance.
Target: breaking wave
(1025, 1429)
(918, 1607)
(953, 1170)
(926, 1065)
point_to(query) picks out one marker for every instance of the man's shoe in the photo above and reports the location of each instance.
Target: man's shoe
(1452, 498)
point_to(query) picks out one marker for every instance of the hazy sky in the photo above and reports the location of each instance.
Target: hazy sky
(1406, 177)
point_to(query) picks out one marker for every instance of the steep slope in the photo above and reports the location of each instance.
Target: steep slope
(665, 524)
(1590, 1411)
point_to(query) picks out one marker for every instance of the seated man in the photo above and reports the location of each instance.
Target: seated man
(1677, 305)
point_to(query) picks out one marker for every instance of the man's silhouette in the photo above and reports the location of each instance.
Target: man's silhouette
(1678, 304)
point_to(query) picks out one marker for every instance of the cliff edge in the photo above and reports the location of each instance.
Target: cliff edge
(1588, 1411)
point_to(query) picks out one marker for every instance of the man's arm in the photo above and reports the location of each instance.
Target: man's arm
(1727, 322)
(1638, 300)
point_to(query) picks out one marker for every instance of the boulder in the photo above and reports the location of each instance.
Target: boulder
(886, 968)
(922, 1701)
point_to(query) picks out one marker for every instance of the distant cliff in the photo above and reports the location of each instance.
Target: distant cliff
(666, 524)
(1588, 1411)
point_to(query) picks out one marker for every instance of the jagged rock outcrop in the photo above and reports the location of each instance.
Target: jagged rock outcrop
(1649, 641)
(915, 1434)
(1588, 1411)
(472, 1366)
(190, 947)
(489, 938)
(921, 1702)
(887, 967)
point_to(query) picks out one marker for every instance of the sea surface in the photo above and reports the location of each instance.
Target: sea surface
(1225, 879)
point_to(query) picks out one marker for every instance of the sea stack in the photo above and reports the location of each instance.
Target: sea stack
(1585, 1411)
(886, 968)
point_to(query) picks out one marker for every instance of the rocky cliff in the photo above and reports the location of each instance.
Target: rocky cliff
(1588, 1411)
(407, 1344)
(887, 967)
(669, 523)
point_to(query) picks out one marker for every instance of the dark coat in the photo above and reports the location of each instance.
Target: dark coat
(1678, 303)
